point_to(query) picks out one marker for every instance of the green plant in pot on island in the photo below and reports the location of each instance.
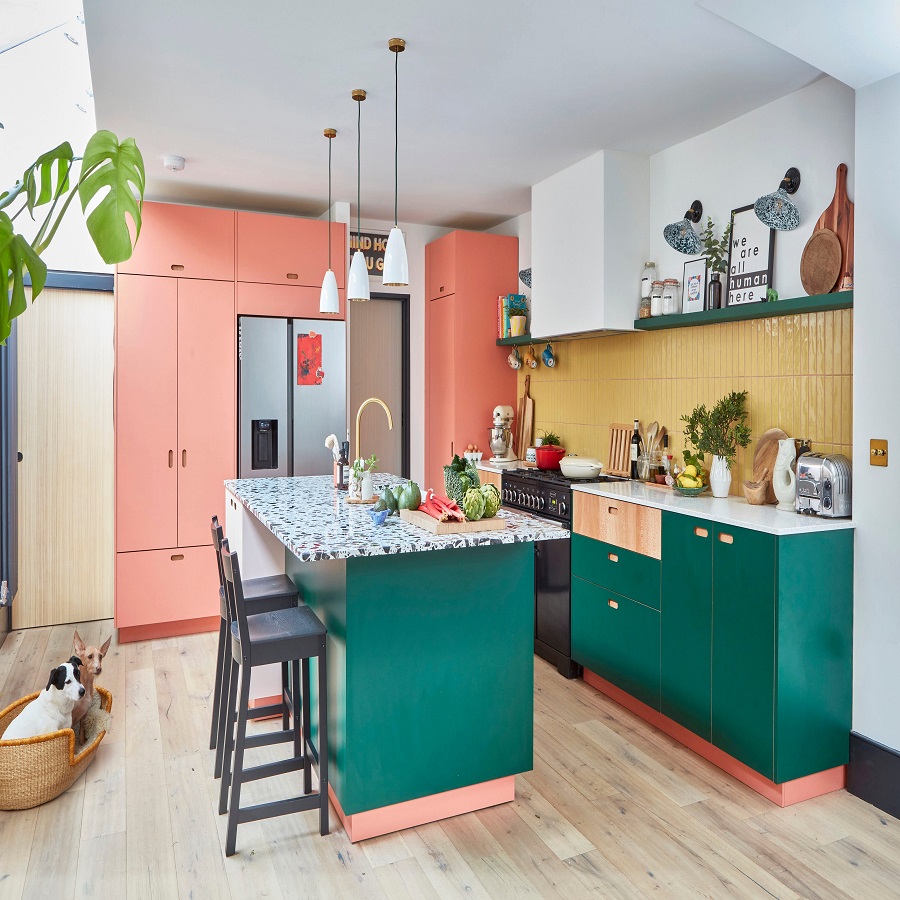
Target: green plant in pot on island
(716, 252)
(110, 183)
(550, 451)
(719, 432)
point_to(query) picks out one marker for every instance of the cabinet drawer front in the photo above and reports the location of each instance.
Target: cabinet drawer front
(281, 301)
(184, 242)
(156, 586)
(623, 571)
(617, 639)
(618, 522)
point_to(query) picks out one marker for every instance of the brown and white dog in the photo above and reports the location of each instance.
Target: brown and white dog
(91, 666)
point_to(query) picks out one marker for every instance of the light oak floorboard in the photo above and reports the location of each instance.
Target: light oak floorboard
(611, 809)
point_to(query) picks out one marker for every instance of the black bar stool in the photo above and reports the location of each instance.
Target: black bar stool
(283, 636)
(260, 595)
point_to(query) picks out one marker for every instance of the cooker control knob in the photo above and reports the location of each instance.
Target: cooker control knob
(541, 503)
(521, 498)
(563, 507)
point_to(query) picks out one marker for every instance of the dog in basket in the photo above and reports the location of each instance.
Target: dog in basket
(52, 709)
(91, 666)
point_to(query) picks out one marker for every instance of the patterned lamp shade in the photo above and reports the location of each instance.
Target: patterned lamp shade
(681, 236)
(777, 210)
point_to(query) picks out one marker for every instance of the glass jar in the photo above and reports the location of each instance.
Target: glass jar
(644, 309)
(648, 276)
(671, 297)
(656, 293)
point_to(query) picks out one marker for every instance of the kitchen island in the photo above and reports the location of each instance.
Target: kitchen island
(430, 643)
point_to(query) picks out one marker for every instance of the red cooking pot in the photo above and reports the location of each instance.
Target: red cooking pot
(549, 457)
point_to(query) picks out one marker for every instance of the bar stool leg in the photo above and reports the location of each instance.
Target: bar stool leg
(323, 746)
(285, 688)
(307, 730)
(217, 687)
(226, 712)
(237, 771)
(228, 737)
(296, 711)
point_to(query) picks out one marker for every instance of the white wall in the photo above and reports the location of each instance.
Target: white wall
(732, 165)
(876, 414)
(519, 227)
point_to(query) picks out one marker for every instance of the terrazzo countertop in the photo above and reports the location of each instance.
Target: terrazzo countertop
(314, 521)
(734, 511)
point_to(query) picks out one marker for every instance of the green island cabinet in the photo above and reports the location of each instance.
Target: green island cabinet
(742, 636)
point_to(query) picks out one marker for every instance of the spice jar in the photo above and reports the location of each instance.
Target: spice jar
(671, 297)
(644, 310)
(656, 294)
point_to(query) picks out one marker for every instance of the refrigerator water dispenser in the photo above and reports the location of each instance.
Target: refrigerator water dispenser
(264, 450)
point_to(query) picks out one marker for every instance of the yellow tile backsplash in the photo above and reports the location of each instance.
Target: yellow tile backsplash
(797, 371)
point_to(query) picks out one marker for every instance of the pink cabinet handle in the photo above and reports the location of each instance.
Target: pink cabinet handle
(183, 459)
(176, 268)
(726, 538)
(701, 532)
(613, 557)
(171, 458)
(613, 604)
(293, 276)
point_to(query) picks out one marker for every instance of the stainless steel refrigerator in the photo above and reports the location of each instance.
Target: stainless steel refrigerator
(292, 394)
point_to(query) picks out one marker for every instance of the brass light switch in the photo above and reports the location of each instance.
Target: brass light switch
(878, 455)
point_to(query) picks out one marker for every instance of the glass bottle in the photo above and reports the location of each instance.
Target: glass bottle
(714, 291)
(671, 298)
(656, 293)
(648, 276)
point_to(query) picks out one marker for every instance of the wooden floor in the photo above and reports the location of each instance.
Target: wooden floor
(612, 808)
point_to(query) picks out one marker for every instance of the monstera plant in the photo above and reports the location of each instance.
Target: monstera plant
(110, 189)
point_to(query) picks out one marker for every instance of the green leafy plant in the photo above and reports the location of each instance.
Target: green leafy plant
(716, 250)
(361, 466)
(718, 431)
(551, 439)
(110, 188)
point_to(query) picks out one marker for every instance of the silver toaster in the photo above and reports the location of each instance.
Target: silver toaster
(823, 485)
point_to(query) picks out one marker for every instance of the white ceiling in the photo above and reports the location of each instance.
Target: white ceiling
(495, 95)
(857, 42)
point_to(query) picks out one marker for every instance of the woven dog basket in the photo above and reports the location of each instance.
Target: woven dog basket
(36, 770)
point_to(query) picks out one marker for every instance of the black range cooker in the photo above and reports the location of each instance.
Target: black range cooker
(548, 495)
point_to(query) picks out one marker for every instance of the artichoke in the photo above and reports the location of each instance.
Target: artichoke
(491, 500)
(473, 504)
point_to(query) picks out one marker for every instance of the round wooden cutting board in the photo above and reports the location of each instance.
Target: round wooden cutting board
(764, 459)
(820, 265)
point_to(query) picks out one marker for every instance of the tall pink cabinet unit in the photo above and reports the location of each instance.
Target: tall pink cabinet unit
(177, 301)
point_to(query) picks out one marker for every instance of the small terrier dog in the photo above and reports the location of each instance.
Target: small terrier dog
(91, 666)
(51, 710)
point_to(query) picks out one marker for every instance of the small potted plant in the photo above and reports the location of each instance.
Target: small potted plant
(718, 431)
(716, 252)
(361, 478)
(550, 451)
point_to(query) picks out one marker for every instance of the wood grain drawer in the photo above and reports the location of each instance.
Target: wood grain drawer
(618, 522)
(631, 574)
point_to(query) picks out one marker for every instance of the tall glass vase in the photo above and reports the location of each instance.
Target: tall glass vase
(714, 291)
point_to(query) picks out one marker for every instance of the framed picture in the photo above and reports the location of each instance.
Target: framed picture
(693, 286)
(751, 250)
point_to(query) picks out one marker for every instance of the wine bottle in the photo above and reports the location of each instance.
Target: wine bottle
(635, 450)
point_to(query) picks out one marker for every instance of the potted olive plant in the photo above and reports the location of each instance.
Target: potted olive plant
(718, 431)
(110, 189)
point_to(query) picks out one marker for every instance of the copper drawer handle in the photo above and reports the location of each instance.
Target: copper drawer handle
(613, 557)
(726, 538)
(612, 604)
(293, 276)
(612, 510)
(171, 458)
(701, 532)
(176, 268)
(176, 556)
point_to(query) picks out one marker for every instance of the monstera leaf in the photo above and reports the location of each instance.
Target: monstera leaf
(119, 170)
(48, 177)
(17, 256)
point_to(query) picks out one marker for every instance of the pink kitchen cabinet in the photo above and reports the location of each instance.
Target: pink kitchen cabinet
(279, 300)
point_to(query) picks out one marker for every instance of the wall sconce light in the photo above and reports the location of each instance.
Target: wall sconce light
(777, 210)
(681, 236)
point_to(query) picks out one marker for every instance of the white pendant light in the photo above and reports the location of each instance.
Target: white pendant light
(358, 281)
(329, 302)
(396, 264)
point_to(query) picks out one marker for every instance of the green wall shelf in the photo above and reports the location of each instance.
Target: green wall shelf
(515, 341)
(816, 303)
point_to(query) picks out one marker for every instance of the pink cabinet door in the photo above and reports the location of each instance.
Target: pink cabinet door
(159, 586)
(440, 267)
(184, 242)
(146, 418)
(282, 301)
(207, 412)
(287, 250)
(440, 408)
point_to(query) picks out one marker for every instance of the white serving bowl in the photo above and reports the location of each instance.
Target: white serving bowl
(473, 457)
(580, 466)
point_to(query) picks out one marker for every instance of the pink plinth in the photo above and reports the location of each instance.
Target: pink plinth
(785, 794)
(375, 822)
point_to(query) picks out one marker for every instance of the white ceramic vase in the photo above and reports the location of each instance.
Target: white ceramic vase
(784, 480)
(720, 477)
(366, 488)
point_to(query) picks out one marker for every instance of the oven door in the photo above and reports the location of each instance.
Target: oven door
(552, 604)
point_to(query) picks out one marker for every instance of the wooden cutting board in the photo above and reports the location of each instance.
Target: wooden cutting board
(820, 265)
(838, 217)
(764, 459)
(429, 523)
(619, 461)
(528, 419)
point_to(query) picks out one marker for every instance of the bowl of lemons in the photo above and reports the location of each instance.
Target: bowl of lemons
(691, 481)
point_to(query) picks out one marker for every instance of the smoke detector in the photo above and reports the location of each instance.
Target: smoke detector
(173, 163)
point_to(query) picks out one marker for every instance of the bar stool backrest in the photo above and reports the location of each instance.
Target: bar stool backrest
(218, 535)
(234, 592)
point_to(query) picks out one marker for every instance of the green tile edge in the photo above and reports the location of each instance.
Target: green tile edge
(793, 306)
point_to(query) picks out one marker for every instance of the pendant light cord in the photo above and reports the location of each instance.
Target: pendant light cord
(396, 138)
(358, 174)
(329, 204)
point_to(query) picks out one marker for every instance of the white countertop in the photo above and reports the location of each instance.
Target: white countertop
(314, 521)
(487, 466)
(734, 511)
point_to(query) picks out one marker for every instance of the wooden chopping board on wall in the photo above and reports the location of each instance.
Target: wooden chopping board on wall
(837, 218)
(764, 460)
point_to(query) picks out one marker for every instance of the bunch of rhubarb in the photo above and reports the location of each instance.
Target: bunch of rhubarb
(441, 508)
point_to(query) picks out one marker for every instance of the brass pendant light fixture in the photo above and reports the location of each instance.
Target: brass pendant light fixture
(329, 302)
(396, 264)
(358, 281)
